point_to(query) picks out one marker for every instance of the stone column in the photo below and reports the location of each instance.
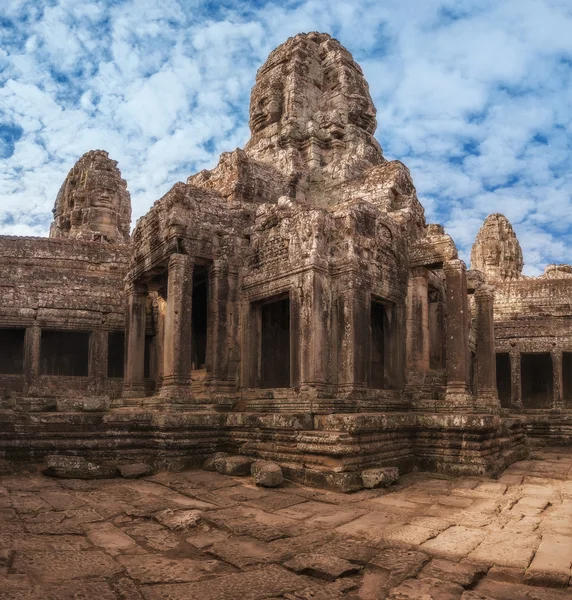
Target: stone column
(515, 384)
(353, 327)
(217, 324)
(98, 362)
(177, 363)
(417, 341)
(32, 343)
(161, 309)
(133, 379)
(458, 396)
(314, 319)
(486, 373)
(557, 399)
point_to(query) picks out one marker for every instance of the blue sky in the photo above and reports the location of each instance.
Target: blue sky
(475, 96)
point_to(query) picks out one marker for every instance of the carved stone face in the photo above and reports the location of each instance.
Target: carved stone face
(267, 110)
(492, 255)
(93, 199)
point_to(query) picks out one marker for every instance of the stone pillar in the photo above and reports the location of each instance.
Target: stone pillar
(133, 379)
(98, 362)
(515, 383)
(353, 328)
(217, 324)
(417, 341)
(177, 360)
(161, 309)
(486, 373)
(314, 319)
(557, 398)
(32, 343)
(458, 396)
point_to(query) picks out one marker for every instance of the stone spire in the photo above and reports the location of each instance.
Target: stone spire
(311, 114)
(496, 251)
(93, 202)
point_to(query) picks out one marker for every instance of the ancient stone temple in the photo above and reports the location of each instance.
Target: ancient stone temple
(292, 303)
(533, 332)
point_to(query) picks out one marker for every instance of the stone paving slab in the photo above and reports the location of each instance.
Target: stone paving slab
(205, 535)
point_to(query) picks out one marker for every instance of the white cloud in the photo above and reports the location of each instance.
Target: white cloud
(475, 97)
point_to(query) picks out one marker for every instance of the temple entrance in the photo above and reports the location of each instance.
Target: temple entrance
(65, 353)
(275, 344)
(199, 317)
(436, 329)
(115, 353)
(385, 360)
(567, 378)
(536, 377)
(12, 351)
(504, 379)
(377, 346)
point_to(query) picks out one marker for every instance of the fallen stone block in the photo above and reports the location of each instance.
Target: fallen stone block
(322, 566)
(238, 466)
(267, 474)
(379, 477)
(210, 462)
(76, 467)
(178, 520)
(135, 470)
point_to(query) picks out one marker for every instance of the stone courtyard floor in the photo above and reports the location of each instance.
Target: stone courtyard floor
(204, 536)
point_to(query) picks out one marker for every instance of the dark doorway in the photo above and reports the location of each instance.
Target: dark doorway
(377, 346)
(436, 330)
(199, 317)
(115, 353)
(12, 351)
(65, 353)
(275, 344)
(536, 376)
(149, 346)
(503, 379)
(567, 378)
(472, 369)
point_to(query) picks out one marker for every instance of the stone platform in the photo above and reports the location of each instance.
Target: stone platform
(203, 535)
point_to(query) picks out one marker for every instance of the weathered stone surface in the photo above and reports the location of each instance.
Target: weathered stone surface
(552, 562)
(157, 569)
(61, 566)
(178, 519)
(430, 589)
(267, 474)
(322, 566)
(76, 467)
(239, 466)
(253, 585)
(135, 470)
(506, 550)
(379, 477)
(461, 573)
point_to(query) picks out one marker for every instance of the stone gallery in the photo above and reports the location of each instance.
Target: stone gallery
(291, 304)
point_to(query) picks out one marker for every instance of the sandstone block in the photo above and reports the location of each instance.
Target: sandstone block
(552, 561)
(210, 462)
(238, 466)
(267, 474)
(414, 589)
(382, 477)
(76, 467)
(322, 566)
(178, 519)
(136, 470)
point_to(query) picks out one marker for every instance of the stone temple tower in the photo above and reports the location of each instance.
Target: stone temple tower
(93, 202)
(496, 251)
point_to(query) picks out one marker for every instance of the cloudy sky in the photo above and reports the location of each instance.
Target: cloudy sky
(475, 96)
